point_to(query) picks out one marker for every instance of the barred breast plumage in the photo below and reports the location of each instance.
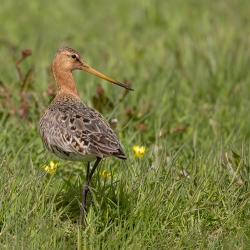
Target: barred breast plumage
(75, 132)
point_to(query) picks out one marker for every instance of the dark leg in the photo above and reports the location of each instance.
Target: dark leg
(85, 187)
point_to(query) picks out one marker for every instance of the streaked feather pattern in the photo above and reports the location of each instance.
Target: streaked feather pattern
(76, 132)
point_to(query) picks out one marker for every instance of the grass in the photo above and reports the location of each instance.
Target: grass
(188, 62)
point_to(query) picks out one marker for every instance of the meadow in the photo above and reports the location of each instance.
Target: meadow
(188, 62)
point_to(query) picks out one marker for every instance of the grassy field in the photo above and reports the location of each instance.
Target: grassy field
(188, 62)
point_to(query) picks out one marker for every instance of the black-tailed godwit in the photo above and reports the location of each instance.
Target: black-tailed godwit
(72, 130)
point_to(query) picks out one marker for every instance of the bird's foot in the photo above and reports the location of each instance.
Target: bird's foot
(85, 191)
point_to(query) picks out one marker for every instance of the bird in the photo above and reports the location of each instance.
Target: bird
(72, 130)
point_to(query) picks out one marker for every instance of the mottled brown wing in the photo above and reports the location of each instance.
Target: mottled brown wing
(74, 131)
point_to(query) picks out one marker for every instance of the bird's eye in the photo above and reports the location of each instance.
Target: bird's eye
(73, 56)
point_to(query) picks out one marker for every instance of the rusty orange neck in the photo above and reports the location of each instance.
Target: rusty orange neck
(64, 80)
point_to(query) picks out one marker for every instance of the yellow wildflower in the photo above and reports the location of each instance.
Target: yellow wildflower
(104, 174)
(51, 167)
(139, 151)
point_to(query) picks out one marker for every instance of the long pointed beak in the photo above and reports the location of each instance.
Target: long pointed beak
(87, 68)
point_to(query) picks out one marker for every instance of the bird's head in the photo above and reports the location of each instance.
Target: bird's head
(68, 59)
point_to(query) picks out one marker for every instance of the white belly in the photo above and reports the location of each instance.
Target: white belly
(75, 157)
